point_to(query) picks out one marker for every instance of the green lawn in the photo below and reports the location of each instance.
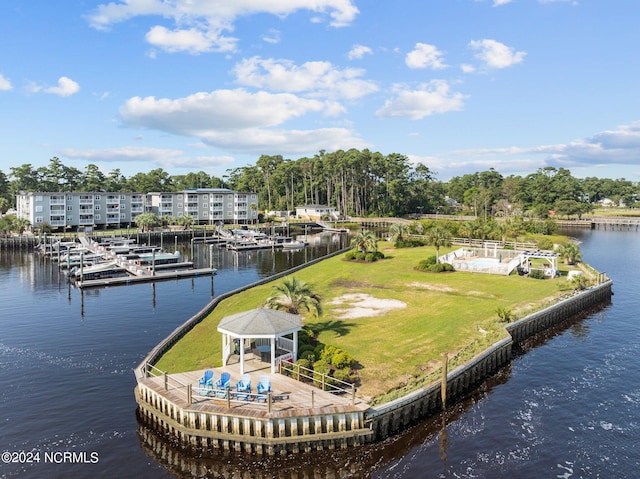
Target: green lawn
(447, 312)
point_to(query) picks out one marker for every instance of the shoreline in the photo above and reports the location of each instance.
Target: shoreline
(311, 429)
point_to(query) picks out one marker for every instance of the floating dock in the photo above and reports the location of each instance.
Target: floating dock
(159, 276)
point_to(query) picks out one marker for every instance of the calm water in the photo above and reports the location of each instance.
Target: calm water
(569, 408)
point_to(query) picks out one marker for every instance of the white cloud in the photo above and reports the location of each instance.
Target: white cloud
(466, 68)
(429, 98)
(272, 36)
(66, 87)
(358, 51)
(220, 110)
(240, 121)
(425, 56)
(162, 157)
(200, 26)
(319, 79)
(191, 40)
(495, 54)
(620, 146)
(5, 84)
(290, 142)
(497, 3)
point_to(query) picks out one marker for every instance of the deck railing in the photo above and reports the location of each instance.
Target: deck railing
(320, 380)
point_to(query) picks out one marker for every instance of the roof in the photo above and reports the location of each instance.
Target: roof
(260, 322)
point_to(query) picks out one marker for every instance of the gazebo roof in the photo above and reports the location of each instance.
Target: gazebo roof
(260, 322)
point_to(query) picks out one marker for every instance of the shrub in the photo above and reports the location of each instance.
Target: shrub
(504, 314)
(304, 338)
(318, 350)
(431, 260)
(369, 258)
(409, 243)
(327, 353)
(304, 363)
(350, 255)
(545, 243)
(360, 256)
(537, 274)
(341, 359)
(306, 350)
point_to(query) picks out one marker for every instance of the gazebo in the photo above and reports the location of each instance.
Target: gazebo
(268, 327)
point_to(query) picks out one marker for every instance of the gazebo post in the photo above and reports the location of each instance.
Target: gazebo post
(241, 356)
(295, 346)
(273, 355)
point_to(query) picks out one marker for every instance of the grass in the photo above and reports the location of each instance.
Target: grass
(448, 312)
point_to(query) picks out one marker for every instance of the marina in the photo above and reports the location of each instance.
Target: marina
(113, 261)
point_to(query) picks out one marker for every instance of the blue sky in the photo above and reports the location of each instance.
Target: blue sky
(189, 85)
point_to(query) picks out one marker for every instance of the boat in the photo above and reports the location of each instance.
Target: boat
(108, 269)
(293, 245)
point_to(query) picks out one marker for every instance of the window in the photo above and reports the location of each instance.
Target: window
(69, 208)
(97, 217)
(69, 198)
(97, 197)
(97, 207)
(39, 209)
(38, 219)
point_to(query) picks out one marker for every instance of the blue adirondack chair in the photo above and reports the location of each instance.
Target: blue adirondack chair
(223, 384)
(205, 383)
(243, 387)
(264, 387)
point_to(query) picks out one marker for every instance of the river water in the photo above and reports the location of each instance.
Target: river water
(566, 408)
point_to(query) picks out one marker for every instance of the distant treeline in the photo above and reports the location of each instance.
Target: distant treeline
(356, 182)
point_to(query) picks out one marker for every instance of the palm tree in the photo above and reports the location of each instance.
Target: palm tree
(19, 224)
(438, 236)
(186, 221)
(146, 221)
(397, 232)
(365, 241)
(293, 296)
(570, 252)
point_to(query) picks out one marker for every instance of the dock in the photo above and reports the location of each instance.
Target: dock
(123, 262)
(158, 276)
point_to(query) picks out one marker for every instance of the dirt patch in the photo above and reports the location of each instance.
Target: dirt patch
(432, 287)
(360, 305)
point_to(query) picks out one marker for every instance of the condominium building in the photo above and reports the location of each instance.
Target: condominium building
(80, 209)
(206, 205)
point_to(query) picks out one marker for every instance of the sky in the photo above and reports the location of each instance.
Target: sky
(210, 85)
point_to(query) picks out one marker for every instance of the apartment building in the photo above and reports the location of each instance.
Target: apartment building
(206, 205)
(80, 209)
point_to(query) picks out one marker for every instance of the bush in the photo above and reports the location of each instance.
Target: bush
(369, 258)
(307, 350)
(409, 243)
(360, 256)
(304, 363)
(426, 264)
(350, 255)
(341, 359)
(537, 274)
(304, 338)
(545, 244)
(440, 268)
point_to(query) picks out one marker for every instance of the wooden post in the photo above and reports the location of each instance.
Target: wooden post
(313, 399)
(269, 401)
(166, 381)
(189, 394)
(353, 394)
(323, 381)
(228, 399)
(443, 386)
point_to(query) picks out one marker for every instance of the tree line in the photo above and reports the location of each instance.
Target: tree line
(355, 182)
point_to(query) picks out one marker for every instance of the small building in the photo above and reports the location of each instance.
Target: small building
(317, 212)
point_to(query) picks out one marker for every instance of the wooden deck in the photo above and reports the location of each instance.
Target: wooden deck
(289, 397)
